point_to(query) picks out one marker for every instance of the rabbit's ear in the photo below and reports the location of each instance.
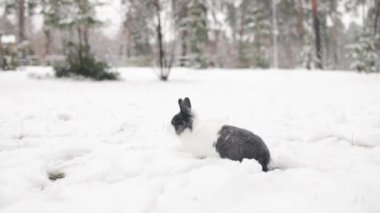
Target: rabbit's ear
(180, 104)
(184, 106)
(187, 104)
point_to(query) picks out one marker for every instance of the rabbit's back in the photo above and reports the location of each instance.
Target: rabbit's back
(236, 144)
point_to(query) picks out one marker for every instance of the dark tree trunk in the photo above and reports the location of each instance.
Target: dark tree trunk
(21, 25)
(21, 20)
(161, 52)
(241, 35)
(182, 13)
(80, 45)
(316, 24)
(2, 62)
(47, 33)
(335, 33)
(159, 37)
(184, 47)
(377, 15)
(301, 26)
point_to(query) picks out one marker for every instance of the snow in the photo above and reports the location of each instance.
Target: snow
(114, 142)
(8, 39)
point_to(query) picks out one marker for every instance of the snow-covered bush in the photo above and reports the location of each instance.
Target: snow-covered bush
(88, 68)
(85, 65)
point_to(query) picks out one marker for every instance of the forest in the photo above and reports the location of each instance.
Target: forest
(288, 34)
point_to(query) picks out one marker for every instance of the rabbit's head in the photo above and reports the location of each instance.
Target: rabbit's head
(184, 119)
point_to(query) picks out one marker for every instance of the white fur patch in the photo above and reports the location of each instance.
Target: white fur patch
(201, 140)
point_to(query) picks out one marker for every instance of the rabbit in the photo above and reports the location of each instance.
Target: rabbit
(223, 141)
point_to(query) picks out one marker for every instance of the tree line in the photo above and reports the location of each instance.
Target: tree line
(209, 33)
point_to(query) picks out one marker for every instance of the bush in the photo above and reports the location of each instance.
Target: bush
(85, 66)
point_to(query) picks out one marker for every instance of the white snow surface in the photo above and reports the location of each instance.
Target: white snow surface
(114, 142)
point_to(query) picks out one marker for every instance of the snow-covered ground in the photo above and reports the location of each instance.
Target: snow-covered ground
(114, 142)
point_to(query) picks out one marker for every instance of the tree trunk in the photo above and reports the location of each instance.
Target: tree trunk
(47, 33)
(301, 29)
(2, 62)
(377, 15)
(335, 33)
(184, 47)
(184, 36)
(21, 26)
(85, 37)
(163, 76)
(241, 35)
(80, 45)
(21, 20)
(318, 46)
(275, 43)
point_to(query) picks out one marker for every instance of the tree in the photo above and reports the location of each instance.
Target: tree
(76, 18)
(49, 8)
(364, 54)
(377, 17)
(164, 66)
(137, 30)
(181, 20)
(335, 31)
(293, 32)
(318, 46)
(23, 11)
(249, 21)
(198, 32)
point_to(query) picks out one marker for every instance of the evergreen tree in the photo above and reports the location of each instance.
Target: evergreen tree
(198, 32)
(364, 54)
(181, 9)
(253, 33)
(307, 55)
(76, 18)
(292, 32)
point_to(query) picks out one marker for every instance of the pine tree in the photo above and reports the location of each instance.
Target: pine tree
(253, 31)
(198, 32)
(364, 54)
(76, 18)
(307, 56)
(181, 9)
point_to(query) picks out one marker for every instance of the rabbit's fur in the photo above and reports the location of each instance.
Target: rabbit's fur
(212, 140)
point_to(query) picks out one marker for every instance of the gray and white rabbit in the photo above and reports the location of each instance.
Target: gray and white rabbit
(206, 140)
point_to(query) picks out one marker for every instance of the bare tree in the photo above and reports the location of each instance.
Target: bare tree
(165, 63)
